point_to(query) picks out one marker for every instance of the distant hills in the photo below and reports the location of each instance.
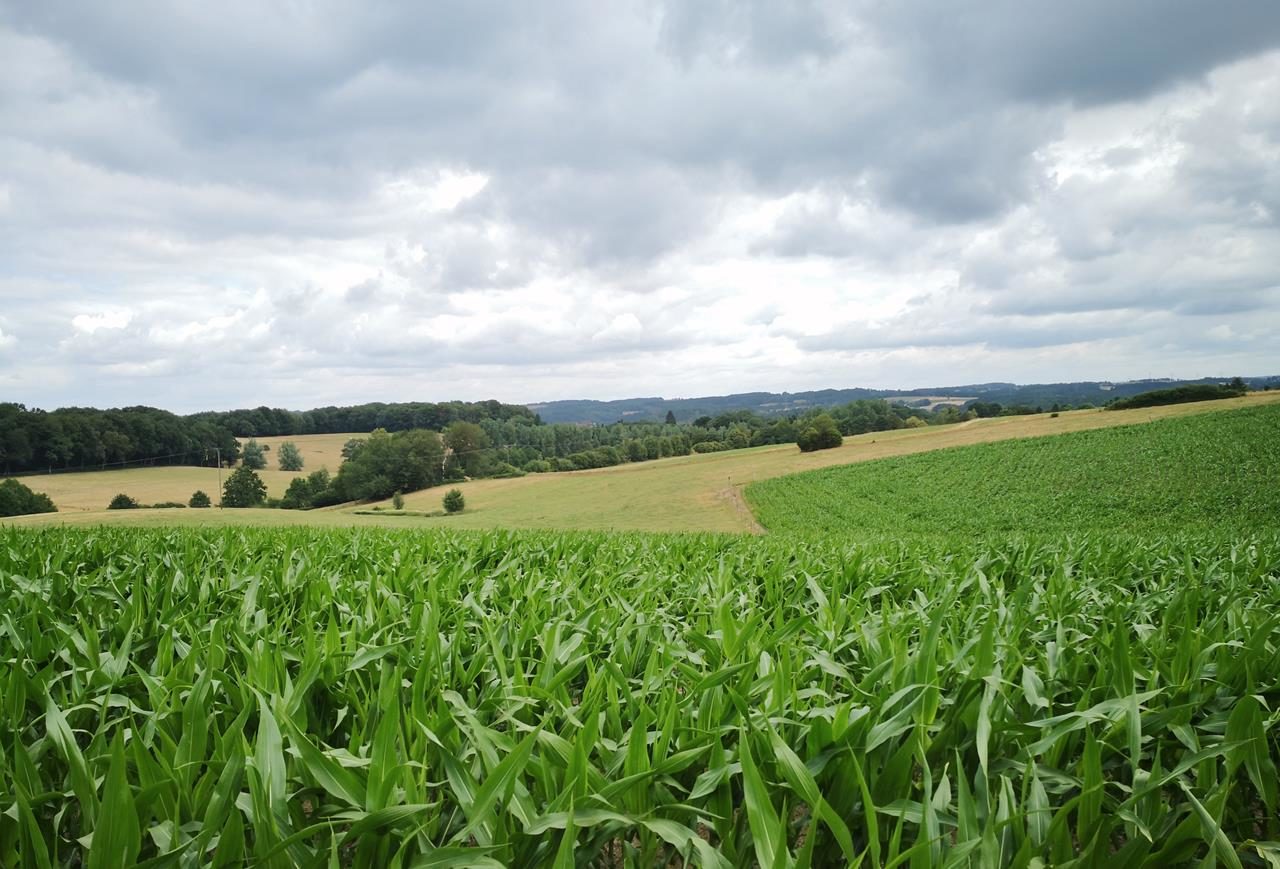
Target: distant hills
(654, 409)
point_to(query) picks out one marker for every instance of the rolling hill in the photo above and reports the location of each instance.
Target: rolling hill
(1207, 472)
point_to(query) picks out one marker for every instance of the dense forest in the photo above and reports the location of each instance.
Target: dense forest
(81, 438)
(271, 422)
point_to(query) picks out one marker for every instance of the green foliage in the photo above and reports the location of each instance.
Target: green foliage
(1182, 394)
(199, 499)
(466, 442)
(372, 698)
(821, 433)
(18, 500)
(289, 457)
(122, 502)
(1209, 471)
(453, 501)
(313, 490)
(252, 456)
(243, 488)
(86, 438)
(386, 463)
(397, 501)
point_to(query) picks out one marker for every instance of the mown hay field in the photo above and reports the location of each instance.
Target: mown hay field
(91, 491)
(298, 697)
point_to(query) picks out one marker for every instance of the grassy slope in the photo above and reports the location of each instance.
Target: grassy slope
(1216, 471)
(689, 493)
(93, 490)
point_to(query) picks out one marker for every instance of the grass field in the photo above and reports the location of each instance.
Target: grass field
(91, 491)
(276, 697)
(1217, 471)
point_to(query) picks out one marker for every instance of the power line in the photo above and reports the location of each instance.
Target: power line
(120, 465)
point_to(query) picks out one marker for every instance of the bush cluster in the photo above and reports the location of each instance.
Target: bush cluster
(17, 500)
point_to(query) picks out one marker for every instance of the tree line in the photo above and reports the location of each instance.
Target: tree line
(400, 416)
(82, 438)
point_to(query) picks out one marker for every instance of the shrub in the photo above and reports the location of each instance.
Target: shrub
(453, 501)
(167, 505)
(538, 466)
(17, 500)
(199, 499)
(915, 422)
(820, 434)
(122, 502)
(563, 464)
(397, 501)
(710, 447)
(503, 470)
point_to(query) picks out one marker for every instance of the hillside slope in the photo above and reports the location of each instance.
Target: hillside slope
(688, 493)
(1218, 471)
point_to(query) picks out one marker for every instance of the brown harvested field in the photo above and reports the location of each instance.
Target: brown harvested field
(318, 451)
(93, 490)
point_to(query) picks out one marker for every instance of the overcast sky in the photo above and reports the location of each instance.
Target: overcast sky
(211, 205)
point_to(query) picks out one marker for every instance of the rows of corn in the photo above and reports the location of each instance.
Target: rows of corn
(1211, 472)
(374, 699)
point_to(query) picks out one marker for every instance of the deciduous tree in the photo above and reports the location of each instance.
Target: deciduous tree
(244, 488)
(289, 457)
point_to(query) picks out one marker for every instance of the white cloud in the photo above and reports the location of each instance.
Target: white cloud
(91, 323)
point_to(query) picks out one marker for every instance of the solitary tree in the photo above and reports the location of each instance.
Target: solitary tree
(289, 457)
(453, 501)
(199, 499)
(252, 456)
(244, 488)
(122, 502)
(671, 417)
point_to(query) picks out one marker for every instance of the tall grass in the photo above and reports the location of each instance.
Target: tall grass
(359, 698)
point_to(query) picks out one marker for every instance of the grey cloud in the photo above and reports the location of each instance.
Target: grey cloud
(759, 30)
(266, 162)
(1088, 52)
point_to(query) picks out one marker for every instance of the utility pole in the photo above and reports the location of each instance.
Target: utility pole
(217, 451)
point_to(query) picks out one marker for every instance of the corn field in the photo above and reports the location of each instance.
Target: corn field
(361, 698)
